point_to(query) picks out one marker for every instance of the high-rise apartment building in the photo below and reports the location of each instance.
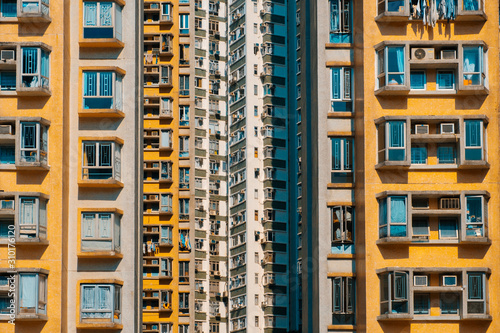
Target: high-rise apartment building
(400, 128)
(70, 185)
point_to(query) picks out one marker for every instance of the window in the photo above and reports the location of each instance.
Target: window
(184, 178)
(341, 89)
(419, 154)
(476, 300)
(449, 303)
(8, 8)
(183, 271)
(471, 5)
(184, 328)
(184, 23)
(394, 292)
(102, 20)
(395, 141)
(445, 80)
(166, 267)
(184, 54)
(421, 304)
(343, 301)
(184, 146)
(184, 302)
(102, 90)
(32, 219)
(166, 235)
(391, 66)
(448, 228)
(35, 68)
(166, 11)
(184, 209)
(166, 139)
(342, 224)
(342, 160)
(473, 140)
(392, 216)
(32, 293)
(100, 303)
(35, 7)
(166, 170)
(100, 232)
(101, 160)
(418, 80)
(474, 216)
(7, 80)
(446, 154)
(340, 21)
(184, 85)
(34, 142)
(183, 115)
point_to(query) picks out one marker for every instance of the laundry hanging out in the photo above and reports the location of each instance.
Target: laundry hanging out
(429, 11)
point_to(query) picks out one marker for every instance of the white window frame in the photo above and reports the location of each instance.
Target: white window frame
(114, 159)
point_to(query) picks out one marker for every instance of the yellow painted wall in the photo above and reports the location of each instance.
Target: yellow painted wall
(376, 182)
(47, 182)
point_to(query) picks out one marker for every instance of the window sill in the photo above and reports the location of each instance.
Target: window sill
(418, 242)
(27, 91)
(165, 181)
(100, 326)
(339, 45)
(476, 16)
(166, 54)
(341, 255)
(101, 43)
(101, 113)
(32, 166)
(167, 22)
(165, 85)
(31, 317)
(332, 114)
(400, 165)
(341, 327)
(100, 183)
(167, 149)
(342, 185)
(401, 90)
(395, 316)
(31, 242)
(100, 254)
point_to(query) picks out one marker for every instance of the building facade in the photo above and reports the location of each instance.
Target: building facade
(399, 201)
(70, 166)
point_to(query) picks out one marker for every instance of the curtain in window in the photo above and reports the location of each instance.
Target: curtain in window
(88, 225)
(104, 297)
(119, 93)
(8, 8)
(106, 84)
(474, 209)
(336, 154)
(45, 63)
(472, 64)
(395, 65)
(105, 225)
(88, 297)
(473, 133)
(382, 218)
(106, 16)
(28, 294)
(90, 84)
(27, 211)
(334, 15)
(398, 215)
(165, 138)
(30, 60)
(471, 4)
(335, 72)
(90, 13)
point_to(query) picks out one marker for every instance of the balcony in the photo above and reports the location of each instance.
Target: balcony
(23, 215)
(427, 68)
(402, 11)
(433, 217)
(157, 301)
(432, 142)
(157, 204)
(434, 294)
(157, 235)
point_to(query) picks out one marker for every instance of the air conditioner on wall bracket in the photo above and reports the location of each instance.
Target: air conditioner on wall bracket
(421, 53)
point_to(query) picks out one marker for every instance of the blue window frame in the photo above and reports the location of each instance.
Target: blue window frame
(391, 66)
(473, 140)
(474, 216)
(340, 21)
(421, 303)
(8, 8)
(393, 216)
(418, 80)
(473, 65)
(396, 141)
(419, 154)
(8, 81)
(476, 300)
(102, 90)
(35, 67)
(100, 20)
(445, 80)
(184, 85)
(446, 154)
(341, 89)
(342, 160)
(7, 154)
(448, 228)
(184, 23)
(449, 303)
(394, 292)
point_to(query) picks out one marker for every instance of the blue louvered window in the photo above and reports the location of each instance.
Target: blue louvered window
(473, 140)
(341, 89)
(8, 8)
(393, 216)
(8, 81)
(100, 303)
(102, 20)
(184, 23)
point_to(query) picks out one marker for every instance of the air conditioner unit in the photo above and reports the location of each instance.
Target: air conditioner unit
(447, 128)
(449, 203)
(6, 204)
(7, 55)
(5, 129)
(420, 280)
(449, 54)
(420, 53)
(421, 129)
(449, 280)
